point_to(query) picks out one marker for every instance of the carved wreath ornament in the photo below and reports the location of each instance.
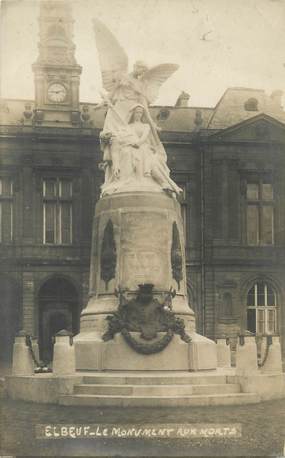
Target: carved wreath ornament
(144, 314)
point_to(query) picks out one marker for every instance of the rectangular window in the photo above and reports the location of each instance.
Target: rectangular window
(260, 212)
(65, 220)
(252, 225)
(6, 210)
(267, 191)
(50, 222)
(57, 211)
(252, 191)
(267, 225)
(49, 188)
(65, 189)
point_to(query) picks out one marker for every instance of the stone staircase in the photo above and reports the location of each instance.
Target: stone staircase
(158, 389)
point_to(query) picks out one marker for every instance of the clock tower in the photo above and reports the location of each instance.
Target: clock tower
(57, 74)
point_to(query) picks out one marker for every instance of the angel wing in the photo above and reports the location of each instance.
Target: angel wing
(112, 57)
(155, 77)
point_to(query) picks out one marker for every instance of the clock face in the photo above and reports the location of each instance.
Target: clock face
(57, 93)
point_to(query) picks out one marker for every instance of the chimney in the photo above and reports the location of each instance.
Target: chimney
(276, 98)
(182, 100)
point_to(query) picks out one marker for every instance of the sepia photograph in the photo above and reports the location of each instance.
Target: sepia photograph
(142, 228)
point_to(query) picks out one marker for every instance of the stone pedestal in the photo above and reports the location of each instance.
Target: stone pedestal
(63, 355)
(22, 358)
(246, 356)
(223, 353)
(132, 243)
(118, 355)
(199, 354)
(273, 362)
(137, 239)
(203, 353)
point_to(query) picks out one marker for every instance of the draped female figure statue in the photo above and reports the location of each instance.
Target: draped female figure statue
(137, 162)
(133, 155)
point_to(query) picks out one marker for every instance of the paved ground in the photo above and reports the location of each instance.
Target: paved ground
(263, 430)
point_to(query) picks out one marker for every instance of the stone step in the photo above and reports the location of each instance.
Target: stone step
(216, 389)
(155, 379)
(158, 401)
(155, 390)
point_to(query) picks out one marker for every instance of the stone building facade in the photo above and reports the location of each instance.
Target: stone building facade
(230, 161)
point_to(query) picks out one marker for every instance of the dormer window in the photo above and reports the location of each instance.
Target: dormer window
(251, 104)
(163, 115)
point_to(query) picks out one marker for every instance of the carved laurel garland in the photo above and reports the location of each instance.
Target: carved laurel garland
(147, 348)
(146, 315)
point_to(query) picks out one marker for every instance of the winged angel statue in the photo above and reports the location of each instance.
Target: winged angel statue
(133, 155)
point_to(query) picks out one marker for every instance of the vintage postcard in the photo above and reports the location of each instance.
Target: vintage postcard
(142, 228)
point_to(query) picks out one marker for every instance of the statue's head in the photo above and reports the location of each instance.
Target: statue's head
(137, 113)
(139, 68)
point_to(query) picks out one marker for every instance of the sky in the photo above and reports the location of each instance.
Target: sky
(217, 44)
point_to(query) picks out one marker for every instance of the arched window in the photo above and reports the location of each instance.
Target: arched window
(261, 309)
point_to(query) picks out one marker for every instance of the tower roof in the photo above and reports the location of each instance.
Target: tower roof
(56, 33)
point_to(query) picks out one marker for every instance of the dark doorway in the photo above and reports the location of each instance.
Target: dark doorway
(58, 309)
(9, 318)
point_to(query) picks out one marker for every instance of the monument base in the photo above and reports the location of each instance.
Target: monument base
(92, 353)
(146, 389)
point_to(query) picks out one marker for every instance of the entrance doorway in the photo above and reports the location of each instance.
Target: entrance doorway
(58, 309)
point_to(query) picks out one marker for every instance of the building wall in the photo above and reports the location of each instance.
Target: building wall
(221, 266)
